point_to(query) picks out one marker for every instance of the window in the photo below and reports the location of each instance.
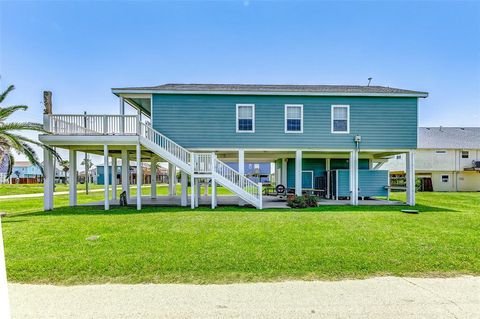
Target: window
(441, 152)
(465, 154)
(398, 157)
(245, 118)
(340, 118)
(444, 178)
(293, 118)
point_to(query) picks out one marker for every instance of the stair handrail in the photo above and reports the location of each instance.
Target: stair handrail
(241, 181)
(154, 136)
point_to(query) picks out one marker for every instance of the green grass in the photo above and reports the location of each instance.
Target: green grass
(20, 189)
(17, 189)
(232, 244)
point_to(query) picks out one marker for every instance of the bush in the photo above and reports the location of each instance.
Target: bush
(302, 201)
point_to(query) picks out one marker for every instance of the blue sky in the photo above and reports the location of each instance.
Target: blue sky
(79, 50)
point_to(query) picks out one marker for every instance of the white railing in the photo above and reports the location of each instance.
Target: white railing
(165, 143)
(202, 162)
(239, 180)
(91, 124)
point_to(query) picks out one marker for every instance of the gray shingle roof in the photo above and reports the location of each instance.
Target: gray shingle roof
(449, 137)
(264, 88)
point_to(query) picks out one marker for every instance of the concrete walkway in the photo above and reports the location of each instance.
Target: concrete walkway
(384, 297)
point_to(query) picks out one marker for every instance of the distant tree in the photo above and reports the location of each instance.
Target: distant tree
(65, 164)
(10, 141)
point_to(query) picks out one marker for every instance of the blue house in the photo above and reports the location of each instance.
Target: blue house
(323, 139)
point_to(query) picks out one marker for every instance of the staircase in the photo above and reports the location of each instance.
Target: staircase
(198, 165)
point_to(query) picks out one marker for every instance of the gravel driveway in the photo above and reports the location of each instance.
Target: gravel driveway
(384, 297)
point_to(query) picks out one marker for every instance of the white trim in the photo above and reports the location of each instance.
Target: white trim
(332, 118)
(292, 93)
(309, 171)
(301, 117)
(253, 118)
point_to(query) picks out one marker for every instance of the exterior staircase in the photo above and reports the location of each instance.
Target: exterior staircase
(197, 165)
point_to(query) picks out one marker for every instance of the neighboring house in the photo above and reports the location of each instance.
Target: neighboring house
(320, 137)
(447, 159)
(24, 172)
(162, 176)
(258, 172)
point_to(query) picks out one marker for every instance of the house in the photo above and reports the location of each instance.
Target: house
(161, 177)
(321, 138)
(447, 159)
(24, 172)
(258, 172)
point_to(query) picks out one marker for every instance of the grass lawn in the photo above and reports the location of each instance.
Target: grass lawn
(18, 189)
(232, 244)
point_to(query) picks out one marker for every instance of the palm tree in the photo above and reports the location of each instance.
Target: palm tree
(65, 164)
(11, 141)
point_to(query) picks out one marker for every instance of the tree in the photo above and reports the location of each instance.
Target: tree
(10, 141)
(65, 164)
(87, 163)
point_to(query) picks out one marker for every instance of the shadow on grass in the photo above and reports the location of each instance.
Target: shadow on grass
(131, 210)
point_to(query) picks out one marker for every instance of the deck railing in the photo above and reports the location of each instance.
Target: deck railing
(66, 124)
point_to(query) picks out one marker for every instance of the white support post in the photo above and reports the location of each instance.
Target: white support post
(72, 178)
(410, 176)
(214, 193)
(139, 177)
(114, 178)
(106, 179)
(298, 173)
(260, 191)
(214, 183)
(172, 188)
(48, 180)
(197, 192)
(283, 180)
(192, 191)
(153, 173)
(125, 174)
(327, 168)
(353, 173)
(241, 170)
(122, 112)
(184, 196)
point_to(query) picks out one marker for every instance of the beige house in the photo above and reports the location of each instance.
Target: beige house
(447, 159)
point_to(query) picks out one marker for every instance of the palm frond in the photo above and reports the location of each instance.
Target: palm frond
(7, 111)
(5, 93)
(39, 144)
(11, 160)
(17, 126)
(31, 155)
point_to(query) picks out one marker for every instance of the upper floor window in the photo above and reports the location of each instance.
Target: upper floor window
(465, 154)
(245, 118)
(340, 118)
(293, 118)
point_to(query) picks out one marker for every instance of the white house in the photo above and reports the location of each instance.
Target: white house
(447, 159)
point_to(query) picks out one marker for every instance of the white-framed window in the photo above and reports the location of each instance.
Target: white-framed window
(340, 119)
(465, 154)
(293, 118)
(445, 178)
(245, 121)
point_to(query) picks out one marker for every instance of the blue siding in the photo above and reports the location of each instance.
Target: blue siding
(317, 165)
(371, 183)
(208, 121)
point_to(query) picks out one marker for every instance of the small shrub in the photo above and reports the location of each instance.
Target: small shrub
(302, 201)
